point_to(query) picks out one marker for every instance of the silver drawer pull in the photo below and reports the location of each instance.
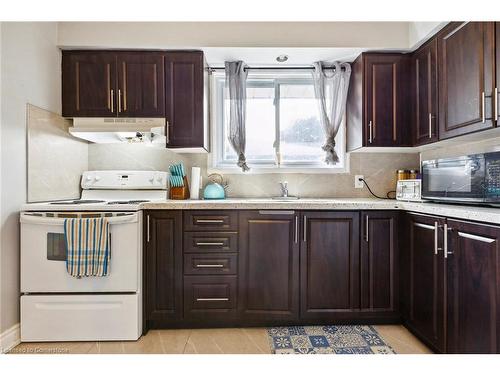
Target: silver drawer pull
(213, 221)
(276, 212)
(209, 266)
(209, 243)
(476, 238)
(212, 299)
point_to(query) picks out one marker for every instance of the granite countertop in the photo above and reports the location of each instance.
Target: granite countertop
(475, 213)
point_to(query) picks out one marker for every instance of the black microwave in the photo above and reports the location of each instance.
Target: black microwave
(464, 179)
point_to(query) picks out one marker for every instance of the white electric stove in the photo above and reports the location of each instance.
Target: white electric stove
(58, 307)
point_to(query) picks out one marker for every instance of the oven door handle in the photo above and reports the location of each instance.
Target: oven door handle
(26, 217)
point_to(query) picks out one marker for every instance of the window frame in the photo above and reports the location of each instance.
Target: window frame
(216, 158)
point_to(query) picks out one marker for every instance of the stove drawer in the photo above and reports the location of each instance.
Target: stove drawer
(210, 264)
(80, 317)
(204, 220)
(209, 294)
(205, 242)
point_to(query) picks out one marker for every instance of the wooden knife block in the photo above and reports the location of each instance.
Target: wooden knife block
(180, 192)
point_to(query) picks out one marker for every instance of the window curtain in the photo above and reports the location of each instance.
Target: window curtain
(330, 88)
(236, 77)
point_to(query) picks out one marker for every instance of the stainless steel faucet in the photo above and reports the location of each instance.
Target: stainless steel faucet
(284, 189)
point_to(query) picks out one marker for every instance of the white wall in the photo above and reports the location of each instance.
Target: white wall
(233, 34)
(30, 71)
(419, 32)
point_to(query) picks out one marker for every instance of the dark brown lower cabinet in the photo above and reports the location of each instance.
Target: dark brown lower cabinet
(473, 290)
(162, 268)
(268, 266)
(329, 265)
(379, 281)
(422, 278)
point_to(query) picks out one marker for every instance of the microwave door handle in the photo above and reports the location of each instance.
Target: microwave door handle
(43, 220)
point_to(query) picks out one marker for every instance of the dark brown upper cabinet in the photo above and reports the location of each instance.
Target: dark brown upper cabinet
(424, 94)
(88, 84)
(113, 84)
(473, 292)
(378, 102)
(496, 93)
(379, 262)
(329, 265)
(466, 77)
(186, 100)
(268, 275)
(141, 84)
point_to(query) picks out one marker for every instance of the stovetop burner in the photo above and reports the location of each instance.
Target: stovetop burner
(137, 201)
(79, 201)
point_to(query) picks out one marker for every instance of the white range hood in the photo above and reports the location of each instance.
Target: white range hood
(119, 130)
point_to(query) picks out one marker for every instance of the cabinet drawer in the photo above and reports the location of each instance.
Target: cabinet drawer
(210, 264)
(210, 220)
(205, 242)
(204, 294)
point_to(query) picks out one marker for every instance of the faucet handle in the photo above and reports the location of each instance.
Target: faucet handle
(284, 184)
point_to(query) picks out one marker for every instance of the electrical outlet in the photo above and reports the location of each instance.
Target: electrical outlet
(357, 183)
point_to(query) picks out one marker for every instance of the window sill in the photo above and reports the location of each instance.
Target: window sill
(282, 170)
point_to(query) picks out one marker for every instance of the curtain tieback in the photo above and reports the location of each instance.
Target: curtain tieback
(242, 163)
(329, 148)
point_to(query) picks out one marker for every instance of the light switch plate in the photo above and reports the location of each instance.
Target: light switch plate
(359, 184)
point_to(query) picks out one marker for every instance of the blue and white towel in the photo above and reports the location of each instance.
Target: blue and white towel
(87, 247)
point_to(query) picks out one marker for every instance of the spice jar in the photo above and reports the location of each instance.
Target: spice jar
(403, 174)
(413, 174)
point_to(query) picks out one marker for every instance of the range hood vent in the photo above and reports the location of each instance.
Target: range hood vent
(119, 130)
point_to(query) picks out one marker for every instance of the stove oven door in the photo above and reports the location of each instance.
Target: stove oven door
(43, 255)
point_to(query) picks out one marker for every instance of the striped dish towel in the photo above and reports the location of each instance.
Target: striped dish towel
(87, 247)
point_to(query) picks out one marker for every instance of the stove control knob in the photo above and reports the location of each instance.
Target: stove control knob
(97, 178)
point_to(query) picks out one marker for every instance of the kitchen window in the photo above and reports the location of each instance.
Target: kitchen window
(283, 131)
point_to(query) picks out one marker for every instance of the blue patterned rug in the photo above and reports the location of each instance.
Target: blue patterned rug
(344, 339)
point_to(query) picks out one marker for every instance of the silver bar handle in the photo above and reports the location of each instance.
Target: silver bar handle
(209, 266)
(296, 229)
(167, 133)
(209, 243)
(495, 98)
(430, 125)
(370, 131)
(276, 212)
(112, 99)
(210, 221)
(436, 237)
(119, 100)
(211, 299)
(445, 241)
(147, 228)
(367, 229)
(483, 110)
(476, 237)
(305, 228)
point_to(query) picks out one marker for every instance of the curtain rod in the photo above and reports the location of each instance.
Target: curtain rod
(211, 69)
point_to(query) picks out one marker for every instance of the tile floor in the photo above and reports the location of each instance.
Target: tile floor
(205, 341)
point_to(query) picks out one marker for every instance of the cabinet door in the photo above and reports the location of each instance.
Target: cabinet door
(386, 122)
(496, 93)
(466, 73)
(473, 288)
(185, 99)
(269, 266)
(379, 261)
(426, 279)
(424, 98)
(329, 265)
(88, 84)
(162, 268)
(141, 84)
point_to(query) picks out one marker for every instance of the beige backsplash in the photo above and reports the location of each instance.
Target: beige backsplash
(379, 170)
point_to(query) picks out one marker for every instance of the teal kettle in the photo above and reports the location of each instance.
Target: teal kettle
(214, 189)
